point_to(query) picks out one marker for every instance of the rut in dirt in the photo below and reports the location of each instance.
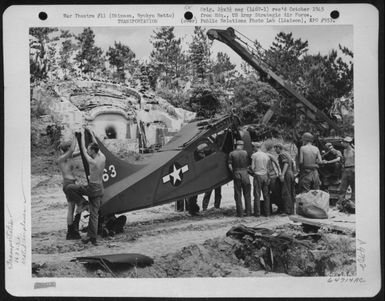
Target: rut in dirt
(245, 252)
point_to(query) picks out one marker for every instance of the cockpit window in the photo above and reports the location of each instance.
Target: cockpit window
(204, 149)
(218, 138)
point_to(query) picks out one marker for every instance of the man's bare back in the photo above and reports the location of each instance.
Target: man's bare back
(66, 162)
(310, 156)
(97, 168)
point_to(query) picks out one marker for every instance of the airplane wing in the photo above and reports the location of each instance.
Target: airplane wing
(173, 173)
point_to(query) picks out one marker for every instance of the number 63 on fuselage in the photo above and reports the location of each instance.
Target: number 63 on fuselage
(176, 171)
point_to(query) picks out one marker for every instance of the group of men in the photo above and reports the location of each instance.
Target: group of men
(274, 176)
(75, 193)
(311, 159)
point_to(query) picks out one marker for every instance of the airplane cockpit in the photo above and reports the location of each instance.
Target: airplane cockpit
(221, 141)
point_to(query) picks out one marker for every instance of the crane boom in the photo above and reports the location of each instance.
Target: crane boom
(229, 38)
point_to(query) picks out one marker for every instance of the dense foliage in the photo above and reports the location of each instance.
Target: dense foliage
(189, 76)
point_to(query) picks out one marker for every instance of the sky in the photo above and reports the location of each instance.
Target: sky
(321, 39)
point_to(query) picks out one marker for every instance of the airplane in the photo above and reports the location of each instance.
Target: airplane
(175, 171)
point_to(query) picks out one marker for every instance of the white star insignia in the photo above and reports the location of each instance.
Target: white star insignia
(175, 174)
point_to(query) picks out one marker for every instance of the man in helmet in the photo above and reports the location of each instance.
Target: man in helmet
(309, 158)
(239, 162)
(348, 174)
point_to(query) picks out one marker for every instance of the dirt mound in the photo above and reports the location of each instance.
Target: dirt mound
(213, 258)
(283, 251)
(288, 250)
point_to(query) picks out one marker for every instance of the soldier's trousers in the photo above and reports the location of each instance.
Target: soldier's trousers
(309, 179)
(217, 198)
(95, 193)
(261, 183)
(288, 193)
(69, 188)
(242, 184)
(193, 207)
(275, 192)
(348, 179)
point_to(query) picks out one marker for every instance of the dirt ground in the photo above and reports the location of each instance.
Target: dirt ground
(181, 245)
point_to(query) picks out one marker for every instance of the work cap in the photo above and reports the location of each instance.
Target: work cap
(328, 145)
(348, 139)
(201, 147)
(307, 137)
(240, 142)
(257, 144)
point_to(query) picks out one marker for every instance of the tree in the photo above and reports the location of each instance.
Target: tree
(207, 99)
(65, 34)
(285, 54)
(199, 52)
(325, 78)
(320, 78)
(167, 58)
(39, 52)
(252, 99)
(222, 64)
(223, 70)
(89, 56)
(42, 33)
(121, 57)
(65, 53)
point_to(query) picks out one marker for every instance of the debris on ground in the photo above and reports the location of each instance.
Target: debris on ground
(36, 267)
(346, 206)
(338, 222)
(313, 204)
(109, 261)
(295, 253)
(246, 252)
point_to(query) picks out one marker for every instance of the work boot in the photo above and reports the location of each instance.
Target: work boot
(105, 232)
(71, 233)
(90, 239)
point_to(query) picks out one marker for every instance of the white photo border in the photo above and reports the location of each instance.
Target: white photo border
(17, 206)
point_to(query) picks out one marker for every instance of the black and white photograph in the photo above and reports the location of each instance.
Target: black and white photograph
(246, 164)
(198, 151)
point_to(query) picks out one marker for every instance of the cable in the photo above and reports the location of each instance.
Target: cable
(257, 50)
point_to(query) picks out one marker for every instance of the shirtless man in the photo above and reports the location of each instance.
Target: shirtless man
(94, 190)
(309, 158)
(66, 165)
(96, 161)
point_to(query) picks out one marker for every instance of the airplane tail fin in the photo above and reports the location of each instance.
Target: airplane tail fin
(115, 168)
(87, 141)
